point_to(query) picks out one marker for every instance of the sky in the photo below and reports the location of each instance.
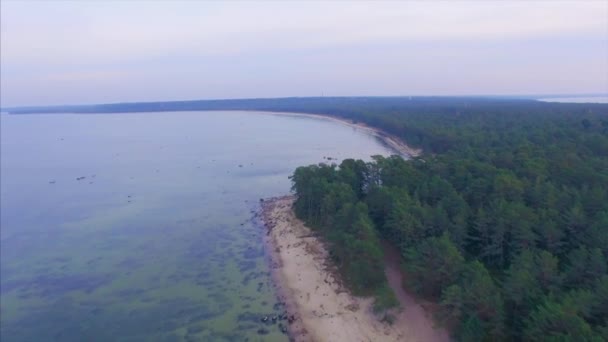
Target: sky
(70, 52)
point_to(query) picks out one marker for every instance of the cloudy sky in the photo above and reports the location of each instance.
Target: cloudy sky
(112, 51)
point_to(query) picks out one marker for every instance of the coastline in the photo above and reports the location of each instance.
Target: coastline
(323, 309)
(391, 141)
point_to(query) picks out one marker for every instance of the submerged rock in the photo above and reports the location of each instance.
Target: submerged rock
(278, 305)
(263, 331)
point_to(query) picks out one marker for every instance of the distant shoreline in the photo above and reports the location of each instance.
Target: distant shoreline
(391, 141)
(323, 310)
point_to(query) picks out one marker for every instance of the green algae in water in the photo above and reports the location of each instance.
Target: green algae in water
(158, 242)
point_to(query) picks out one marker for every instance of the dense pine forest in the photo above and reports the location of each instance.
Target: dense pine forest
(503, 220)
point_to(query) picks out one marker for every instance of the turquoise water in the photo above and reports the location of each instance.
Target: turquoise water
(158, 241)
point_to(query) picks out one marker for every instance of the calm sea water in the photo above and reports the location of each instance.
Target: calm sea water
(593, 99)
(139, 227)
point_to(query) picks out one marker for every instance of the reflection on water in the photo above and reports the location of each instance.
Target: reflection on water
(141, 227)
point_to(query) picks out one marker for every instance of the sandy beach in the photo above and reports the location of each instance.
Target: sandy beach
(391, 141)
(324, 310)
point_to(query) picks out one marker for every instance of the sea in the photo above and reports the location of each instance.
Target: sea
(142, 226)
(582, 99)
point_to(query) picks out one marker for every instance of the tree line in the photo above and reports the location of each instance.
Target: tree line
(503, 220)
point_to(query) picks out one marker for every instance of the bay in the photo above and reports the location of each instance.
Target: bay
(141, 226)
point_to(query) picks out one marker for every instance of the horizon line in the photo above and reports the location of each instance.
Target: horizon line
(495, 96)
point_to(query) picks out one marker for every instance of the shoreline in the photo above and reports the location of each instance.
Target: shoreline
(393, 142)
(323, 309)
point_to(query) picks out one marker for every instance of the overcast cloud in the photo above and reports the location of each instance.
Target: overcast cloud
(109, 51)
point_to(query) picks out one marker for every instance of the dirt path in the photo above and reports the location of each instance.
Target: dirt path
(413, 313)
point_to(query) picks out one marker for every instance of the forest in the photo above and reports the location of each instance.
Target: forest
(502, 221)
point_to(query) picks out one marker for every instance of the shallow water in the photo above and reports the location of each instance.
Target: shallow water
(158, 241)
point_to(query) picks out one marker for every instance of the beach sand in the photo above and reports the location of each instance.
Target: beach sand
(324, 310)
